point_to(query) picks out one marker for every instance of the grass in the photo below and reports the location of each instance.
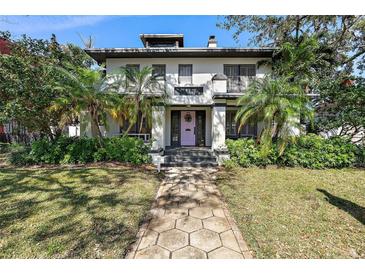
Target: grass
(298, 213)
(79, 212)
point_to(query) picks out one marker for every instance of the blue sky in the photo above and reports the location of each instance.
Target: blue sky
(121, 31)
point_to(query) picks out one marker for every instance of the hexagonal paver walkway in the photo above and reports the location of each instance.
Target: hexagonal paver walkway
(189, 221)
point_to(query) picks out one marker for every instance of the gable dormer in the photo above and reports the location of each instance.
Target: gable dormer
(162, 40)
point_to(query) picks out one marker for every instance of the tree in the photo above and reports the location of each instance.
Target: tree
(141, 91)
(28, 80)
(279, 104)
(341, 107)
(340, 38)
(86, 91)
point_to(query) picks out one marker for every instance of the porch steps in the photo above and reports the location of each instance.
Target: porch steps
(189, 157)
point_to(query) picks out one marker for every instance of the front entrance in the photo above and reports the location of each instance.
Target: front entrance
(187, 128)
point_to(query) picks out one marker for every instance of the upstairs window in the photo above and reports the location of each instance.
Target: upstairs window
(159, 71)
(132, 66)
(239, 76)
(185, 74)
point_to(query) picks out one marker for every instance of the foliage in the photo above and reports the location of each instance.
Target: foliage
(340, 38)
(280, 105)
(245, 153)
(28, 81)
(309, 151)
(141, 90)
(73, 150)
(313, 151)
(340, 106)
(85, 93)
(19, 155)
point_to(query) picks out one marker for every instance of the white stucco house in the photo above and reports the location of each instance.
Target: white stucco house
(202, 84)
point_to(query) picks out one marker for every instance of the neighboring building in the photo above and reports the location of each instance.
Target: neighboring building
(203, 85)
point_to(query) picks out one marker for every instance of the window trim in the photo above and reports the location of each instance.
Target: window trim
(160, 65)
(245, 130)
(191, 76)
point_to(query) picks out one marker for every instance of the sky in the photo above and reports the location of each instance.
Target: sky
(121, 31)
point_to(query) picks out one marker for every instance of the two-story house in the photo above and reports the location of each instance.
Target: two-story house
(202, 84)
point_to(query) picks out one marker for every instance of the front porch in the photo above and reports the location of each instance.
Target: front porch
(188, 126)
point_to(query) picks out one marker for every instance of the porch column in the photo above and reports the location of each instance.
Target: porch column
(158, 127)
(218, 125)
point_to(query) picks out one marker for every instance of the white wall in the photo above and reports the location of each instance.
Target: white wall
(203, 71)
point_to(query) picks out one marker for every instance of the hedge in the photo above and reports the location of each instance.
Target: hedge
(309, 151)
(75, 150)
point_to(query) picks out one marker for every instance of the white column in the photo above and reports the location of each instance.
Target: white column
(158, 127)
(218, 126)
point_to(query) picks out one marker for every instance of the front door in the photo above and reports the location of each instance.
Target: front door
(188, 128)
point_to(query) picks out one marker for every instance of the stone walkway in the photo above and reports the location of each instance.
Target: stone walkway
(189, 221)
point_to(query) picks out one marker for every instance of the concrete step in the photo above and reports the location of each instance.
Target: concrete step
(190, 164)
(189, 152)
(178, 158)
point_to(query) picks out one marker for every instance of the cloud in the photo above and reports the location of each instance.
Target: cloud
(37, 24)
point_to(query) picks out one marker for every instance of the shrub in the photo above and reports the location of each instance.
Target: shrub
(360, 155)
(20, 155)
(246, 153)
(4, 147)
(310, 151)
(73, 150)
(313, 151)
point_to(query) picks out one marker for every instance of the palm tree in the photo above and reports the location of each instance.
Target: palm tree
(279, 104)
(141, 90)
(82, 91)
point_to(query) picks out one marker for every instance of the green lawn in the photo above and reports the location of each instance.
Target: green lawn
(298, 213)
(84, 212)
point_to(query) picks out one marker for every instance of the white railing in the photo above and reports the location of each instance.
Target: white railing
(144, 136)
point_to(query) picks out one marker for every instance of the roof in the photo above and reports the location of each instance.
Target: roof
(162, 38)
(101, 54)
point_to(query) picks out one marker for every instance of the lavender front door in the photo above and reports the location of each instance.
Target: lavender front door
(188, 128)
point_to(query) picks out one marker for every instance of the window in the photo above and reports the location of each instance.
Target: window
(185, 74)
(239, 76)
(140, 126)
(132, 66)
(248, 130)
(159, 71)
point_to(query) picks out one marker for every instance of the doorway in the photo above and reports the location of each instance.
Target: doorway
(187, 128)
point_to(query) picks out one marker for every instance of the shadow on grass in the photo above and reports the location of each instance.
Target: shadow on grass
(355, 210)
(27, 192)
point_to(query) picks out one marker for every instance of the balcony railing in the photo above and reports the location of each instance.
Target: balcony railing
(193, 90)
(238, 84)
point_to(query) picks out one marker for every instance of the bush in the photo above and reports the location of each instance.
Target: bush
(4, 147)
(310, 151)
(313, 151)
(20, 155)
(246, 153)
(360, 155)
(73, 150)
